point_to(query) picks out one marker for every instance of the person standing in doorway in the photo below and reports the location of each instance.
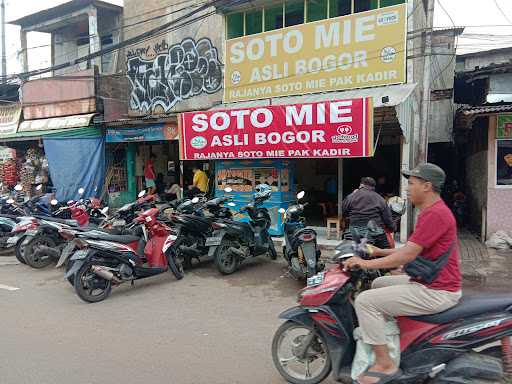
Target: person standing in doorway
(149, 175)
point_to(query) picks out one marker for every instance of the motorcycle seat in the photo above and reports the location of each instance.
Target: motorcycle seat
(123, 239)
(469, 306)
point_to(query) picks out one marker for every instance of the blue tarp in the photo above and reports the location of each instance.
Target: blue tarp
(76, 163)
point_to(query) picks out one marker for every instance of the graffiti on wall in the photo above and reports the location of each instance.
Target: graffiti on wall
(162, 75)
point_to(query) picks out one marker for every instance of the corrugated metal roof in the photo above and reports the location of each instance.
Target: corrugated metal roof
(484, 109)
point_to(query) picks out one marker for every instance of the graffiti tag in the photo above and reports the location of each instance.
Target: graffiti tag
(182, 71)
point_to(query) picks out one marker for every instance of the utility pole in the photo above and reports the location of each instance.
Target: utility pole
(427, 75)
(4, 56)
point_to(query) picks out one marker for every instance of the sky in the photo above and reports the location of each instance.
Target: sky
(481, 17)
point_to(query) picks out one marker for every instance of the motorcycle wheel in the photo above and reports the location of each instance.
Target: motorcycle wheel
(226, 262)
(35, 259)
(290, 335)
(272, 250)
(175, 263)
(90, 287)
(19, 251)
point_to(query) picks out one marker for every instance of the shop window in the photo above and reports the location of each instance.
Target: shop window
(294, 12)
(253, 22)
(274, 18)
(340, 7)
(268, 176)
(387, 3)
(241, 180)
(504, 163)
(316, 10)
(365, 5)
(235, 25)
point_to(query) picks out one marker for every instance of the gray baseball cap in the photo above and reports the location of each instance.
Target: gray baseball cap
(428, 172)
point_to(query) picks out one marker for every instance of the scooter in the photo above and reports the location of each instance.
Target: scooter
(100, 264)
(469, 343)
(301, 250)
(233, 241)
(195, 226)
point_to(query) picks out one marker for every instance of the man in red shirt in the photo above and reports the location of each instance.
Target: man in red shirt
(149, 175)
(435, 235)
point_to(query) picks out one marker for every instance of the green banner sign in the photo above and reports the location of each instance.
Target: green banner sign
(504, 127)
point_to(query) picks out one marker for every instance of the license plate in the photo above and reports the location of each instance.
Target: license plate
(12, 240)
(119, 223)
(213, 241)
(316, 280)
(81, 254)
(31, 232)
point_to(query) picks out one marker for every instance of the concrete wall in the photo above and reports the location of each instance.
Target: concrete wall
(443, 69)
(160, 80)
(483, 59)
(499, 207)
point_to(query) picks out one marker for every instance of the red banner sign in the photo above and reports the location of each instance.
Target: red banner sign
(340, 128)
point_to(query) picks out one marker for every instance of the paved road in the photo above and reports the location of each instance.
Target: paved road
(204, 329)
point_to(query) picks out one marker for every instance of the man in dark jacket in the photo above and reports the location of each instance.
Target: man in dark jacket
(363, 205)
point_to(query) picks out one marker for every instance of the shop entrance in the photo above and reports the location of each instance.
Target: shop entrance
(319, 179)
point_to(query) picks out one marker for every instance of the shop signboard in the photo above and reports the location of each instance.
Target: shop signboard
(360, 50)
(330, 129)
(9, 119)
(504, 127)
(155, 132)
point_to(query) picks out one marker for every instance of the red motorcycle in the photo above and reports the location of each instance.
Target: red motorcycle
(469, 343)
(106, 260)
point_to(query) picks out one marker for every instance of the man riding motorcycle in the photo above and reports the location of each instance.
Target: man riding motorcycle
(364, 205)
(434, 289)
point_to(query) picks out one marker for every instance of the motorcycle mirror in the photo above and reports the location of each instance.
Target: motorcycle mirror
(10, 201)
(142, 193)
(232, 204)
(195, 200)
(39, 187)
(81, 191)
(300, 195)
(281, 210)
(228, 189)
(54, 202)
(18, 187)
(104, 210)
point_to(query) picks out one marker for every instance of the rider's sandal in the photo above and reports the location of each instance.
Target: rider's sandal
(384, 377)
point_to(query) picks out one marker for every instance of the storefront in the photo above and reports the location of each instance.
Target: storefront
(299, 147)
(66, 153)
(488, 167)
(128, 150)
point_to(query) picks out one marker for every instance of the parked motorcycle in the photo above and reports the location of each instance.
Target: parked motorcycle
(301, 250)
(468, 343)
(99, 264)
(233, 241)
(25, 226)
(194, 227)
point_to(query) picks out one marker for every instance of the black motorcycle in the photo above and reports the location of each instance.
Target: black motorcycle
(301, 250)
(233, 241)
(194, 226)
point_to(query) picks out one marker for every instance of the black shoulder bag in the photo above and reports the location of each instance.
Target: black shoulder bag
(427, 270)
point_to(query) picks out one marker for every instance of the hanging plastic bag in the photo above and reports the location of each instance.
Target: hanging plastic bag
(365, 358)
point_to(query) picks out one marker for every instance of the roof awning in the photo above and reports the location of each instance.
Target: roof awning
(392, 104)
(67, 126)
(40, 125)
